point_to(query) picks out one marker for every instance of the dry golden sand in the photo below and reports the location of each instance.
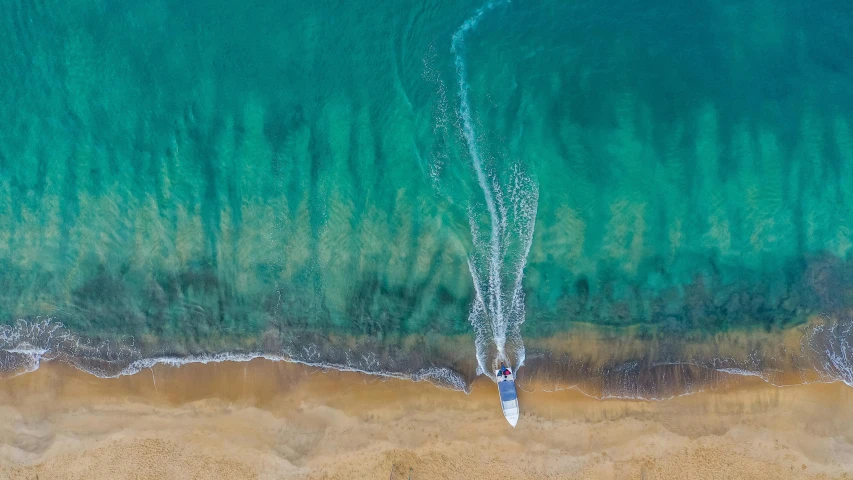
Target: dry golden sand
(270, 420)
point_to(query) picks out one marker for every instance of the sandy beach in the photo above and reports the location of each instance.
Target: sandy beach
(269, 420)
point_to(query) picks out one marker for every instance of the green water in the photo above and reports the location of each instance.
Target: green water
(214, 176)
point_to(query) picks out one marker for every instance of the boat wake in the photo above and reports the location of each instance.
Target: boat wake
(500, 252)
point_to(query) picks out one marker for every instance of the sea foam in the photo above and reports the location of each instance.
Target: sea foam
(499, 257)
(26, 344)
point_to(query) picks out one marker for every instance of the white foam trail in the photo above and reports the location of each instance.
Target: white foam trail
(471, 140)
(440, 115)
(495, 311)
(465, 112)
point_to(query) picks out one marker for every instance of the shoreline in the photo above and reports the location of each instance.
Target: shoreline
(263, 419)
(601, 362)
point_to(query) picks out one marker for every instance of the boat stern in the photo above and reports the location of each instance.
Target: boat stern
(509, 397)
(511, 416)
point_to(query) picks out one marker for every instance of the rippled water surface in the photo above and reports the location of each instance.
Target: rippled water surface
(639, 196)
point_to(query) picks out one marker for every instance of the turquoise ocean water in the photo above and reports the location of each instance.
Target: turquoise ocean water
(421, 187)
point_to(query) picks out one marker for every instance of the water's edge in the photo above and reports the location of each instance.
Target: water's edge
(817, 352)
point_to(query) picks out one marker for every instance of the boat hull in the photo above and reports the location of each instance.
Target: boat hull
(508, 396)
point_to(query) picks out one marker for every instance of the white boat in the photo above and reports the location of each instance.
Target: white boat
(509, 397)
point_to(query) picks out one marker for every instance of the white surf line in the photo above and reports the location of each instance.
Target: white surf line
(440, 377)
(52, 342)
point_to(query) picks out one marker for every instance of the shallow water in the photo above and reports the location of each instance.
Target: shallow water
(306, 179)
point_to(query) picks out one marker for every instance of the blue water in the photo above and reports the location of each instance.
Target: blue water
(601, 191)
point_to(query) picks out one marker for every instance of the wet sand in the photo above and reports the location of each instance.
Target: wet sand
(269, 420)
